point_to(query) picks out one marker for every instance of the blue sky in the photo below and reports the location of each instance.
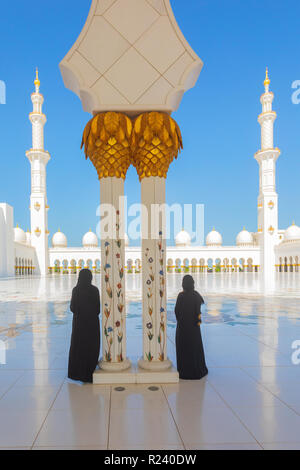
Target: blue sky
(236, 39)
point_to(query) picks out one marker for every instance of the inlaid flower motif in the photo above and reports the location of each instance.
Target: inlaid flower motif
(149, 357)
(109, 292)
(120, 338)
(120, 308)
(118, 324)
(149, 326)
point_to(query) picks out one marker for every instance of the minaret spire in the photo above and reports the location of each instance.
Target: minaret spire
(37, 82)
(38, 158)
(267, 81)
(268, 198)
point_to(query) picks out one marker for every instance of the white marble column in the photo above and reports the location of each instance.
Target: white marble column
(154, 276)
(113, 276)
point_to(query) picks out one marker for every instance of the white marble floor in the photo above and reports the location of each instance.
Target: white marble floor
(250, 399)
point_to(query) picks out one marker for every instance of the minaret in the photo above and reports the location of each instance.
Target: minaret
(38, 158)
(267, 199)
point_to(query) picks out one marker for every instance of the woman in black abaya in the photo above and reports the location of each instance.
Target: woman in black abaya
(189, 347)
(85, 342)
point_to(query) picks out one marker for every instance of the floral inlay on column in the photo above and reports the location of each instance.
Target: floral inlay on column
(150, 294)
(119, 291)
(162, 294)
(108, 328)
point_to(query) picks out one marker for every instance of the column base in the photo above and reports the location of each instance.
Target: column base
(155, 365)
(136, 375)
(158, 376)
(117, 377)
(114, 366)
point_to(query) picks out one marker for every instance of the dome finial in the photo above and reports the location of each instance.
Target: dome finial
(37, 80)
(267, 79)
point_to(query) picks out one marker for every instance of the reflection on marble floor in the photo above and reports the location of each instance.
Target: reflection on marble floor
(250, 400)
(58, 287)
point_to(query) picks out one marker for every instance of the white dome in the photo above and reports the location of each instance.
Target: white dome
(19, 235)
(59, 240)
(90, 240)
(292, 233)
(28, 238)
(183, 238)
(214, 238)
(244, 238)
(126, 239)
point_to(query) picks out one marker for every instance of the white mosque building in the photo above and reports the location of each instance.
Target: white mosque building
(268, 249)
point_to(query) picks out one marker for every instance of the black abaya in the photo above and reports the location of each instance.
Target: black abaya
(85, 341)
(189, 347)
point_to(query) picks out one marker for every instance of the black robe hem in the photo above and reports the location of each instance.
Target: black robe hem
(193, 378)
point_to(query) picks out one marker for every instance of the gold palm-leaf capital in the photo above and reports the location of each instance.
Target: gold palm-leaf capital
(156, 141)
(106, 140)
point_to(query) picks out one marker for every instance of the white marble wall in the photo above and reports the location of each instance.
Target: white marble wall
(6, 241)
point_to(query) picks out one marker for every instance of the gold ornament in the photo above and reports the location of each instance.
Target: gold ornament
(267, 79)
(106, 141)
(156, 141)
(37, 81)
(271, 229)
